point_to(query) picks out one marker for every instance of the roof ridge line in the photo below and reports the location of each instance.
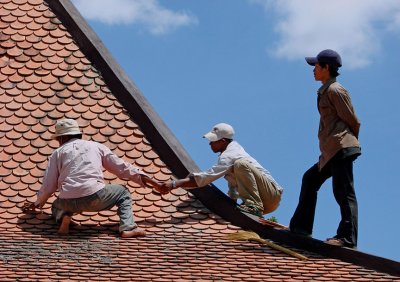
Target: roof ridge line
(163, 140)
(225, 207)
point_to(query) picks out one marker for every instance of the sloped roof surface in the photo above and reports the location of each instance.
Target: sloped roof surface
(44, 76)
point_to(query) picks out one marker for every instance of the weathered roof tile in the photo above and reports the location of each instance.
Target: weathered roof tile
(45, 76)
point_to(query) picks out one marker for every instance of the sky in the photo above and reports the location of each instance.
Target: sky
(199, 63)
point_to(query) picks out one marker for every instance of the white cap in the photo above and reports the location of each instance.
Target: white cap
(219, 131)
(66, 127)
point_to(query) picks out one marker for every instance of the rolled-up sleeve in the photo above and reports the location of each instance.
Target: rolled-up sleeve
(210, 175)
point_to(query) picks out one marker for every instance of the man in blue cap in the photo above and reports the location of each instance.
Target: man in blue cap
(339, 146)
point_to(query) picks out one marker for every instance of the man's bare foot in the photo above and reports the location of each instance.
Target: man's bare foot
(135, 232)
(64, 226)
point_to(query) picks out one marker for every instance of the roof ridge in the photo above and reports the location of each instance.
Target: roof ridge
(225, 207)
(52, 65)
(169, 148)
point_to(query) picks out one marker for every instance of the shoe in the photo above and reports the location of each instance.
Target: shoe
(251, 209)
(339, 242)
(299, 232)
(135, 232)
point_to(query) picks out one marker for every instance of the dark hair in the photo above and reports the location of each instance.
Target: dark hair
(333, 69)
(70, 137)
(77, 136)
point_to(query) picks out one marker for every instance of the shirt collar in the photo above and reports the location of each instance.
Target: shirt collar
(322, 89)
(230, 145)
(70, 141)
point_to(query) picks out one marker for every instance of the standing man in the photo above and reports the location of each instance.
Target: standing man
(338, 141)
(75, 170)
(247, 179)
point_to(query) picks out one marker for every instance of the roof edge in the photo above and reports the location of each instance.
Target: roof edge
(164, 142)
(225, 207)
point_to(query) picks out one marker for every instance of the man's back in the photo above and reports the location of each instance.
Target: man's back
(234, 152)
(78, 164)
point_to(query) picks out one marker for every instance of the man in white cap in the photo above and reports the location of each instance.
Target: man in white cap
(75, 170)
(247, 179)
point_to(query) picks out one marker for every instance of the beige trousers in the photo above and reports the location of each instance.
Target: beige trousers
(255, 188)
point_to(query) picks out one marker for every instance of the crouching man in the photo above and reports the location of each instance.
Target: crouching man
(247, 179)
(75, 170)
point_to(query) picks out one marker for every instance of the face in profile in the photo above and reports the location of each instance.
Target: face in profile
(218, 146)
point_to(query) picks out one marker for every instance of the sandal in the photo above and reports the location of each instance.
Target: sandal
(251, 209)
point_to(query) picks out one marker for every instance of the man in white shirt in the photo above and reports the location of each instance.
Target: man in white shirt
(75, 170)
(247, 179)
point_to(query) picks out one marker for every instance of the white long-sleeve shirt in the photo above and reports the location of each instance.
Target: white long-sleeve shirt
(226, 159)
(76, 170)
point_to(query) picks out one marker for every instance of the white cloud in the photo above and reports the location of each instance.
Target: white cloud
(148, 13)
(355, 28)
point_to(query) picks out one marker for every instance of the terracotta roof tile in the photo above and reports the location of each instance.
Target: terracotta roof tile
(8, 71)
(45, 76)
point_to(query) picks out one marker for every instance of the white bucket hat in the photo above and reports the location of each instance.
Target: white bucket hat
(66, 127)
(219, 131)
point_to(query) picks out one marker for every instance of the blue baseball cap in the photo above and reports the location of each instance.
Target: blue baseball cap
(327, 56)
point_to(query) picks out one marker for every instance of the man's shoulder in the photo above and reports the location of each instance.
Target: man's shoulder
(336, 89)
(233, 147)
(336, 86)
(88, 142)
(233, 150)
(83, 144)
(94, 145)
(234, 144)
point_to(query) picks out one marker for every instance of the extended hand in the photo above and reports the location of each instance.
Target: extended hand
(29, 207)
(162, 189)
(171, 184)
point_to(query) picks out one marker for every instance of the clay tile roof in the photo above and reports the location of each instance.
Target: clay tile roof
(53, 66)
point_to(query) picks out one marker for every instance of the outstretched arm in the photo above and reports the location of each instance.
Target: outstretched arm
(124, 170)
(188, 182)
(199, 179)
(155, 184)
(49, 185)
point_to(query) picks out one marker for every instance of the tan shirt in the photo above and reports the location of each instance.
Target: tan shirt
(339, 125)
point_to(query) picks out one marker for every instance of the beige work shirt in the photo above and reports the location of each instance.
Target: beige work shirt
(339, 125)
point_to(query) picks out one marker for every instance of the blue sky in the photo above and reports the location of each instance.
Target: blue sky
(199, 63)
